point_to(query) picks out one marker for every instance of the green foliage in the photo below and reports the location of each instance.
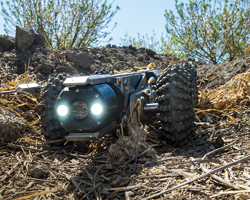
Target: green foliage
(64, 23)
(163, 46)
(211, 31)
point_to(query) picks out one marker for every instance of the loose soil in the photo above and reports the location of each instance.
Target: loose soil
(34, 168)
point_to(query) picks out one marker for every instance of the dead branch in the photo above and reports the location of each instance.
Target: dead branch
(21, 147)
(224, 182)
(231, 192)
(7, 174)
(158, 176)
(10, 172)
(200, 177)
(194, 162)
(219, 149)
(84, 196)
(136, 157)
(38, 194)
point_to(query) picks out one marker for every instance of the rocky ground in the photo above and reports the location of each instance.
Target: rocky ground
(30, 165)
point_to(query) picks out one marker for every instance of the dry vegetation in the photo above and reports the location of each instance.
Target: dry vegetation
(215, 164)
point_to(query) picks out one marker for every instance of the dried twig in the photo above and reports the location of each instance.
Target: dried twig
(194, 162)
(224, 182)
(134, 158)
(158, 176)
(38, 194)
(21, 147)
(84, 196)
(231, 192)
(200, 177)
(219, 149)
(7, 174)
(10, 172)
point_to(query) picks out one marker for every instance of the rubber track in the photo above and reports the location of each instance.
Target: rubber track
(175, 90)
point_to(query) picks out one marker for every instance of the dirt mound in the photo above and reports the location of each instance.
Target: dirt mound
(212, 76)
(75, 61)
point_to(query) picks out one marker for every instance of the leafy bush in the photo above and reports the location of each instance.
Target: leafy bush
(64, 23)
(150, 42)
(211, 31)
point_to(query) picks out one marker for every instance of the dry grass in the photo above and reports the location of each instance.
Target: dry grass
(24, 102)
(229, 97)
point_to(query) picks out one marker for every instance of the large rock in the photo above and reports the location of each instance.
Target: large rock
(7, 133)
(81, 59)
(24, 38)
(46, 66)
(39, 39)
(6, 42)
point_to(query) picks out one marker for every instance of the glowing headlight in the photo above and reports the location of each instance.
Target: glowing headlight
(96, 109)
(62, 110)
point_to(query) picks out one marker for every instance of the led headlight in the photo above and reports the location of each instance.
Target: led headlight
(62, 110)
(96, 109)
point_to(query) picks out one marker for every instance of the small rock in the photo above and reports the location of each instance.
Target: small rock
(132, 48)
(82, 60)
(147, 163)
(46, 67)
(7, 133)
(6, 42)
(211, 147)
(67, 69)
(177, 171)
(150, 52)
(38, 171)
(44, 50)
(39, 39)
(219, 142)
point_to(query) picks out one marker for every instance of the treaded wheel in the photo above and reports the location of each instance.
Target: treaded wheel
(193, 80)
(51, 127)
(176, 91)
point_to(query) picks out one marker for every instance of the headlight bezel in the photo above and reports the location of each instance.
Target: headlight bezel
(103, 95)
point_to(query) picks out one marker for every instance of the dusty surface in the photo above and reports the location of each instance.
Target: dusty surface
(31, 166)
